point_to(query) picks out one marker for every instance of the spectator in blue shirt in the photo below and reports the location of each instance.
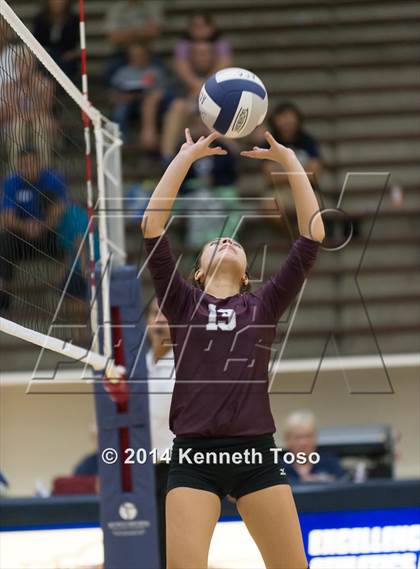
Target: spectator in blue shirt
(301, 437)
(33, 202)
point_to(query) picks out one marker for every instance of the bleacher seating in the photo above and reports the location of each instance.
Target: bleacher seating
(352, 65)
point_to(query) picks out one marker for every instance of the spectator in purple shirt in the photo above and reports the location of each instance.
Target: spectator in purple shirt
(222, 335)
(199, 54)
(201, 28)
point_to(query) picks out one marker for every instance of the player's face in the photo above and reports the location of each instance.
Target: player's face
(224, 252)
(301, 439)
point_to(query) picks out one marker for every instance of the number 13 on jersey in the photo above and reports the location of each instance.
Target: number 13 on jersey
(221, 319)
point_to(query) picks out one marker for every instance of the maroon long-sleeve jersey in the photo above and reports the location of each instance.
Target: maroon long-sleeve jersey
(222, 346)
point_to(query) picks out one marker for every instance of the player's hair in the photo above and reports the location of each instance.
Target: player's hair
(196, 282)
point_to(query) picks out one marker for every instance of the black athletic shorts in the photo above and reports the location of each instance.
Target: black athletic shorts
(227, 465)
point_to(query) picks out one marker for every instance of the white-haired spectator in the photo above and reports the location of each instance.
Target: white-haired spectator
(301, 437)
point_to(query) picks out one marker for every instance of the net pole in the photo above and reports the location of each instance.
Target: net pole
(113, 180)
(99, 362)
(103, 242)
(88, 178)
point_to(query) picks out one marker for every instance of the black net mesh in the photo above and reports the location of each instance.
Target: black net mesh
(43, 218)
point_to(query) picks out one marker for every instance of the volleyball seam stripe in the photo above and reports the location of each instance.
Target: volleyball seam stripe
(228, 101)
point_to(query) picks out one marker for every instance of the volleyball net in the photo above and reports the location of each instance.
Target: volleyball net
(59, 160)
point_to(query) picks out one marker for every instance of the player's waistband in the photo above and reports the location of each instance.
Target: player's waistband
(220, 442)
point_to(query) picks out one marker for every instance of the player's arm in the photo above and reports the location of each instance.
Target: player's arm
(160, 204)
(310, 221)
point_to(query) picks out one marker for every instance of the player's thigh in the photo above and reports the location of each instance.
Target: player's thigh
(191, 516)
(271, 518)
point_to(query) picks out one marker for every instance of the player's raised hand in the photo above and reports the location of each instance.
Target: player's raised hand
(276, 151)
(201, 148)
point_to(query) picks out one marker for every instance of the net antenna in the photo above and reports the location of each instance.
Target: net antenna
(92, 116)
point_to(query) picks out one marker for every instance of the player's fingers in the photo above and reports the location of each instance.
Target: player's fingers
(212, 137)
(218, 150)
(269, 137)
(259, 153)
(249, 154)
(188, 136)
(257, 149)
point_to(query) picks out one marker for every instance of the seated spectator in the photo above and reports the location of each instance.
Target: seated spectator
(26, 108)
(57, 29)
(33, 202)
(128, 22)
(287, 126)
(301, 436)
(139, 92)
(7, 55)
(201, 28)
(202, 59)
(74, 242)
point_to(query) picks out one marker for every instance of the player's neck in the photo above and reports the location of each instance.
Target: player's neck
(222, 285)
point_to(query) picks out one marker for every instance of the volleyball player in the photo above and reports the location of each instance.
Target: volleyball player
(222, 334)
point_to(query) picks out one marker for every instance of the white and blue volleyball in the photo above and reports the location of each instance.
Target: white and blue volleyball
(233, 101)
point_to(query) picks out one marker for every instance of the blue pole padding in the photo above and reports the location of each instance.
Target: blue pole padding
(127, 514)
